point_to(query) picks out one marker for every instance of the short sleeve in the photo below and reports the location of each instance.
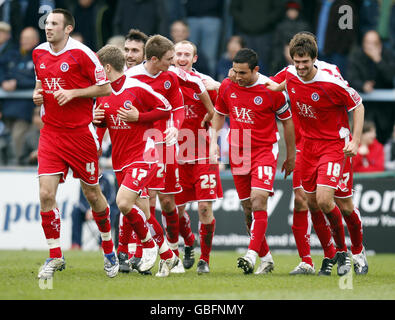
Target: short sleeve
(220, 105)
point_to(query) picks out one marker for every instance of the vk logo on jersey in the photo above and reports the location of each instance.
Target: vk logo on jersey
(64, 66)
(306, 110)
(258, 100)
(189, 112)
(243, 115)
(53, 83)
(315, 96)
(117, 123)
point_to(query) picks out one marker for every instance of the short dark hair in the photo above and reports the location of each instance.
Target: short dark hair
(137, 35)
(246, 55)
(303, 43)
(68, 17)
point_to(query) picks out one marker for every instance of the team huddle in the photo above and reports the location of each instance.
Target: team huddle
(164, 117)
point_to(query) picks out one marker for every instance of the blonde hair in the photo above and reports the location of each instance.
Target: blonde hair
(112, 55)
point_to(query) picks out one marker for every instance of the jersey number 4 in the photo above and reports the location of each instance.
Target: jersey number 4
(90, 167)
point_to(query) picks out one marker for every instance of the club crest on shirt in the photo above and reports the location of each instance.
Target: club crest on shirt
(64, 66)
(195, 96)
(258, 100)
(126, 103)
(315, 96)
(167, 84)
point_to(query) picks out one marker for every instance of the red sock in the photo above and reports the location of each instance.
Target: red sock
(186, 230)
(336, 222)
(301, 231)
(206, 235)
(137, 219)
(139, 248)
(125, 234)
(50, 222)
(354, 226)
(258, 230)
(102, 220)
(323, 233)
(172, 228)
(156, 230)
(132, 245)
(264, 250)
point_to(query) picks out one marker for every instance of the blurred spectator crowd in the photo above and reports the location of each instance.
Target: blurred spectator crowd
(356, 35)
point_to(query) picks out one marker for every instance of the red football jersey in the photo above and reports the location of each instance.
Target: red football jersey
(280, 77)
(321, 104)
(168, 84)
(129, 142)
(194, 140)
(165, 83)
(252, 111)
(75, 67)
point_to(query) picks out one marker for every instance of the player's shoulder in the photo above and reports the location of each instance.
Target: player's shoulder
(172, 74)
(77, 47)
(330, 79)
(40, 50)
(260, 85)
(290, 71)
(42, 47)
(137, 84)
(226, 84)
(136, 70)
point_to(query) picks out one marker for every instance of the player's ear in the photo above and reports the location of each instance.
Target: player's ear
(195, 57)
(107, 68)
(69, 29)
(256, 69)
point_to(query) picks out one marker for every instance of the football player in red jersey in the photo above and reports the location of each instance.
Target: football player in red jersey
(253, 140)
(318, 95)
(134, 155)
(68, 76)
(301, 226)
(199, 179)
(155, 72)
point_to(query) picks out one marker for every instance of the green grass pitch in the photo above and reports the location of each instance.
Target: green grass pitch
(84, 279)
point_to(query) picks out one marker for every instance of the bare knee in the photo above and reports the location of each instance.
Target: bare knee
(259, 202)
(47, 198)
(92, 195)
(205, 212)
(325, 204)
(123, 204)
(181, 210)
(346, 206)
(300, 201)
(167, 203)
